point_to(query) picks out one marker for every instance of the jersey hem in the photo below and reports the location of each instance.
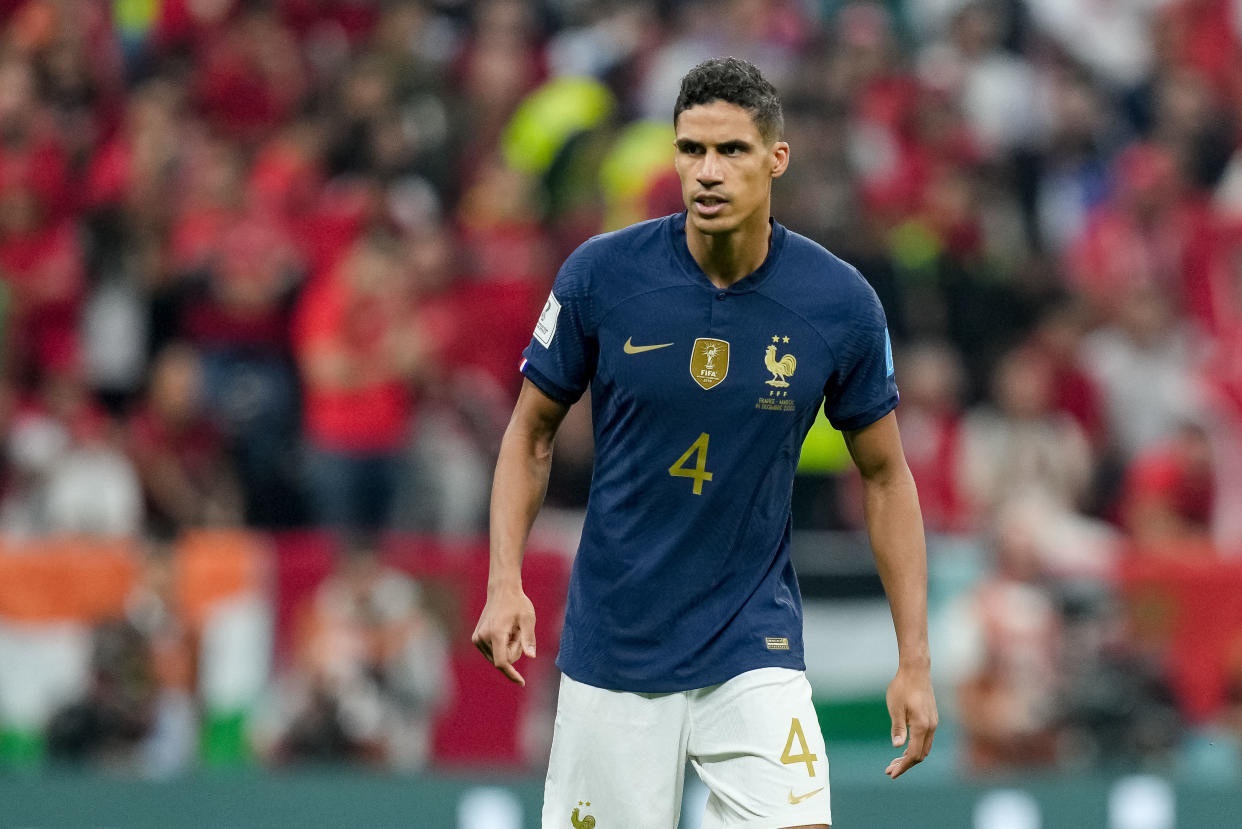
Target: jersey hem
(662, 687)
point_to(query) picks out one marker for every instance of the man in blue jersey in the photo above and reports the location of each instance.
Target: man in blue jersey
(709, 340)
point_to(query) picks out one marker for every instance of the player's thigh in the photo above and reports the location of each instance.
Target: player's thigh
(618, 759)
(755, 742)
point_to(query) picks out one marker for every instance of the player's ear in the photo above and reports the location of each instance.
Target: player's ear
(780, 158)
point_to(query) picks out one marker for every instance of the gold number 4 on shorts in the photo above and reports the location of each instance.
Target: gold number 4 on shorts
(795, 733)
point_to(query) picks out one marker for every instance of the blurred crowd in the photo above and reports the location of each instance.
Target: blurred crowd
(271, 263)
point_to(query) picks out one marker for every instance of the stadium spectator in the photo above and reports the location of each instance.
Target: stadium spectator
(106, 727)
(32, 156)
(93, 488)
(68, 471)
(1072, 175)
(930, 416)
(187, 476)
(236, 310)
(1113, 40)
(361, 354)
(995, 86)
(1202, 36)
(765, 33)
(466, 390)
(1009, 629)
(131, 179)
(1168, 494)
(1188, 119)
(1022, 447)
(248, 77)
(43, 269)
(1154, 233)
(366, 100)
(137, 711)
(1059, 337)
(1143, 363)
(498, 62)
(370, 670)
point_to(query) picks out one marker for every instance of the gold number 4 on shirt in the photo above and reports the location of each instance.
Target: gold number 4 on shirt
(795, 731)
(699, 473)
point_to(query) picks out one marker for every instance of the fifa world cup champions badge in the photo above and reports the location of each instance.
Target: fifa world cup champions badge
(709, 362)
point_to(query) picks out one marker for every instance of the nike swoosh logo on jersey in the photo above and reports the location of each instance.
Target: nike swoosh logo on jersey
(795, 800)
(630, 348)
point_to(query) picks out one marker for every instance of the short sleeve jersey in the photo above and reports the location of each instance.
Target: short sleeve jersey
(701, 398)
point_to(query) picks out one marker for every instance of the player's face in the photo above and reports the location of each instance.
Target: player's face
(726, 167)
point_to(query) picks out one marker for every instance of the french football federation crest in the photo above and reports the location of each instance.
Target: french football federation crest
(780, 367)
(585, 822)
(709, 361)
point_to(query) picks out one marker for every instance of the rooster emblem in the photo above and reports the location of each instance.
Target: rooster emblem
(780, 369)
(587, 822)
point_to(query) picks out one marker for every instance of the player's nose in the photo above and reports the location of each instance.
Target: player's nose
(709, 171)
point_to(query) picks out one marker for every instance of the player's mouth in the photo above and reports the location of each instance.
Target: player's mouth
(708, 205)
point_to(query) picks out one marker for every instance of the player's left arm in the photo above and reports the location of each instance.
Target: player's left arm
(895, 526)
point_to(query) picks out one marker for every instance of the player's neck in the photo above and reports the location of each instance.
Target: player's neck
(727, 257)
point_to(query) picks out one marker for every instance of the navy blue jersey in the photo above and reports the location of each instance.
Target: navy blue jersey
(701, 399)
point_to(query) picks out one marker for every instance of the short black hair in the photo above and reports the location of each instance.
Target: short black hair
(734, 81)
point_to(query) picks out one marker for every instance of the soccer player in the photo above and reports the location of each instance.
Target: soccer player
(710, 339)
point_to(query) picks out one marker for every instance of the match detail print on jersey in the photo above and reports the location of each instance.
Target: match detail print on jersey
(709, 361)
(545, 328)
(630, 348)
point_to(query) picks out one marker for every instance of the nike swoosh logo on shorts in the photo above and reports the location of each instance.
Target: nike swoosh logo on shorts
(795, 800)
(630, 348)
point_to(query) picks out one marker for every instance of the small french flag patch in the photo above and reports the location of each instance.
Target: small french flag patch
(522, 365)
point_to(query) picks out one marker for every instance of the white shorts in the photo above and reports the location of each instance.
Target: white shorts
(619, 757)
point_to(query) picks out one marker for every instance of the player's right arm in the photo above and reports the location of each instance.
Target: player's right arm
(506, 628)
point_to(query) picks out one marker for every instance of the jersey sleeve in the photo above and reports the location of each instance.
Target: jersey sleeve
(562, 354)
(863, 388)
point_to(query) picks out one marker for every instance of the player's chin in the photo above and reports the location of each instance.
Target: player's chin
(712, 225)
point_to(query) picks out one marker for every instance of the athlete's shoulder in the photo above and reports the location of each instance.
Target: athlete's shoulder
(644, 238)
(614, 265)
(823, 280)
(816, 262)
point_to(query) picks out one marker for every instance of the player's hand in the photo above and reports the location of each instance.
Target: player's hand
(506, 630)
(912, 707)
